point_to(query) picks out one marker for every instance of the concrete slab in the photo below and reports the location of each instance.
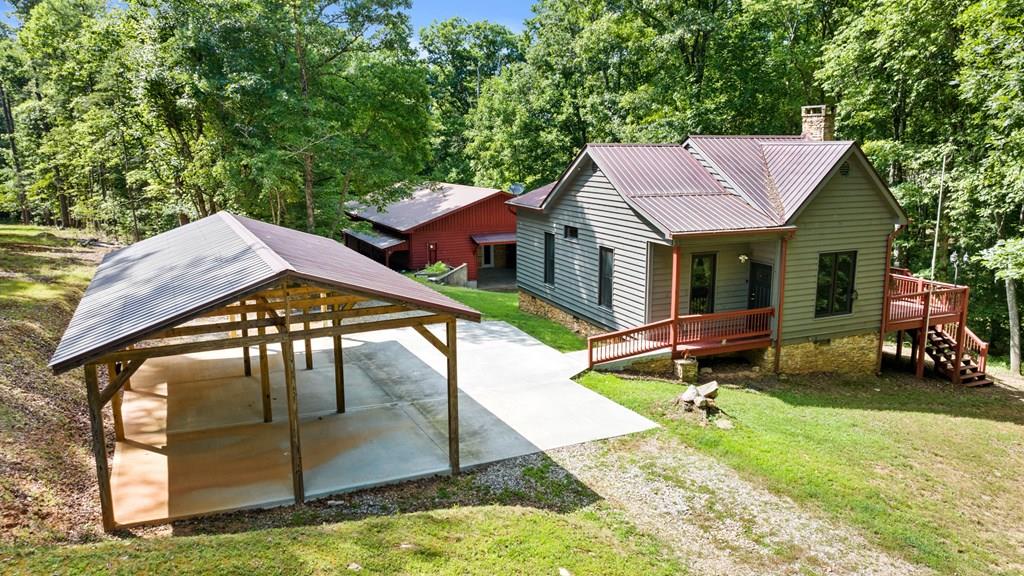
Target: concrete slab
(196, 441)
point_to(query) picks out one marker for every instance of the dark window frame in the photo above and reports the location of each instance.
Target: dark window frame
(570, 232)
(605, 276)
(833, 288)
(711, 289)
(549, 258)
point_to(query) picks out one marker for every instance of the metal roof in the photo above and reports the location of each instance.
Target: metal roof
(424, 205)
(494, 238)
(376, 238)
(168, 279)
(711, 183)
(534, 198)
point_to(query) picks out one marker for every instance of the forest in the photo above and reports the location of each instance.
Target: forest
(130, 118)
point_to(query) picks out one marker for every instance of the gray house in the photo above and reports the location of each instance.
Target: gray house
(777, 245)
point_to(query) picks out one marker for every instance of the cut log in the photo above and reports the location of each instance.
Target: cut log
(709, 390)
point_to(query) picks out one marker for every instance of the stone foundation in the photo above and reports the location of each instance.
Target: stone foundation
(533, 305)
(854, 355)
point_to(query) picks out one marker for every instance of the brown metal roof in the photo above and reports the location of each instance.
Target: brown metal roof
(494, 238)
(797, 168)
(424, 205)
(376, 238)
(169, 278)
(534, 198)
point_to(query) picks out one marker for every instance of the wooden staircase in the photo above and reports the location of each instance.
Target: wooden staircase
(941, 348)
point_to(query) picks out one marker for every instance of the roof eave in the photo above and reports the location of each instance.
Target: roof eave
(736, 232)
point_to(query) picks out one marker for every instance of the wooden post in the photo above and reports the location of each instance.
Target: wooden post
(784, 251)
(922, 338)
(99, 445)
(453, 398)
(115, 403)
(288, 351)
(246, 361)
(673, 328)
(899, 347)
(961, 336)
(308, 341)
(339, 369)
(268, 410)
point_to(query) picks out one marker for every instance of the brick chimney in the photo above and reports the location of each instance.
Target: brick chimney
(819, 122)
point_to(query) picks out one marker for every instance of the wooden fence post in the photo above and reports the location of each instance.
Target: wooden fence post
(99, 446)
(453, 397)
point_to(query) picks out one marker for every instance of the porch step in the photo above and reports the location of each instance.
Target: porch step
(941, 347)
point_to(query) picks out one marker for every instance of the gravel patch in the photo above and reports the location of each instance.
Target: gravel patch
(717, 522)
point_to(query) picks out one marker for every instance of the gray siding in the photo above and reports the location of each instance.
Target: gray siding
(731, 275)
(603, 218)
(849, 213)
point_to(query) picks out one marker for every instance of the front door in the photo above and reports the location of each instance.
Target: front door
(760, 286)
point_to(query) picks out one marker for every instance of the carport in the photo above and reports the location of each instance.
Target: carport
(224, 293)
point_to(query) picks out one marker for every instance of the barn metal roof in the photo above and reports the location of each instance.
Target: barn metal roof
(376, 238)
(534, 198)
(711, 183)
(167, 279)
(494, 238)
(424, 205)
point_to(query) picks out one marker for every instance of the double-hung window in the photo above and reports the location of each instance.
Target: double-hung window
(836, 291)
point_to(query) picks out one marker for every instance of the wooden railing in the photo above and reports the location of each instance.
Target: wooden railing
(629, 342)
(725, 326)
(910, 298)
(976, 348)
(710, 330)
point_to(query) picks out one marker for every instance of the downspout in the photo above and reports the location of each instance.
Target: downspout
(885, 297)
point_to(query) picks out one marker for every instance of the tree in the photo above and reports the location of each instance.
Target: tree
(1006, 259)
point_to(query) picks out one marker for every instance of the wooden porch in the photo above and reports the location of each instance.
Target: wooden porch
(690, 335)
(933, 315)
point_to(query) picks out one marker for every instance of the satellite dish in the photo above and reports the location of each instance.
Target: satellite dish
(517, 188)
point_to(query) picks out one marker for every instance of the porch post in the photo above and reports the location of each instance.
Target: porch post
(246, 360)
(99, 446)
(961, 335)
(295, 443)
(674, 300)
(453, 398)
(339, 367)
(782, 301)
(885, 303)
(922, 341)
(268, 411)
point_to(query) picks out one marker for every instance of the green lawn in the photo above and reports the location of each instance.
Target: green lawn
(505, 306)
(485, 540)
(932, 472)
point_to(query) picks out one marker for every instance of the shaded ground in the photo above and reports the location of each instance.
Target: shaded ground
(47, 486)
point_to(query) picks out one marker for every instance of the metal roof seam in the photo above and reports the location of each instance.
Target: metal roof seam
(273, 259)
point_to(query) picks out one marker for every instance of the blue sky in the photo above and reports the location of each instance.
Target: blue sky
(511, 13)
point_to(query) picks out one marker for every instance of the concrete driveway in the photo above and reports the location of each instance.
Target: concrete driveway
(196, 443)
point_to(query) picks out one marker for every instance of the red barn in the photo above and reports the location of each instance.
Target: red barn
(450, 223)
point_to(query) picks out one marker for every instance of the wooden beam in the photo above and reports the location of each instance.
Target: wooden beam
(246, 361)
(99, 446)
(308, 341)
(115, 405)
(434, 340)
(294, 437)
(339, 371)
(923, 336)
(123, 375)
(453, 398)
(784, 252)
(268, 410)
(225, 343)
(278, 304)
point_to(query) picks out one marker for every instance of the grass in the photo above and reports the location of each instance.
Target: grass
(485, 540)
(926, 470)
(504, 306)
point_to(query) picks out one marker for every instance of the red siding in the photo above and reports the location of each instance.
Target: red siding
(453, 233)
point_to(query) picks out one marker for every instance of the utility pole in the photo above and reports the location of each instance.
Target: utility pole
(938, 214)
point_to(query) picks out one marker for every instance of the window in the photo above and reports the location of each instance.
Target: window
(572, 232)
(702, 284)
(835, 283)
(488, 256)
(605, 271)
(549, 258)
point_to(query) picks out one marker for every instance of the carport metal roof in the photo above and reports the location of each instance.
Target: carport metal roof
(169, 278)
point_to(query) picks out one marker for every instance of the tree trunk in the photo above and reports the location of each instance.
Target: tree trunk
(15, 160)
(308, 169)
(1012, 312)
(62, 197)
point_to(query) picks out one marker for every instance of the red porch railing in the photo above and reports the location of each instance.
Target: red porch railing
(977, 349)
(909, 299)
(697, 334)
